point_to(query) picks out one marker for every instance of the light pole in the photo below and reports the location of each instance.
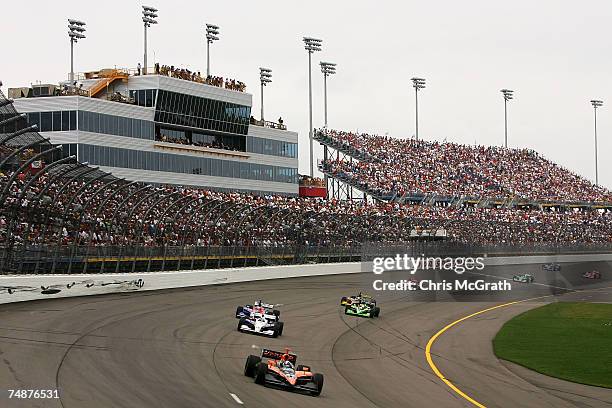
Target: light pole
(508, 95)
(76, 29)
(327, 68)
(596, 104)
(311, 45)
(149, 14)
(418, 84)
(212, 31)
(265, 76)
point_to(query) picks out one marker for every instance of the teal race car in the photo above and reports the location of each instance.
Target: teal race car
(525, 278)
(362, 308)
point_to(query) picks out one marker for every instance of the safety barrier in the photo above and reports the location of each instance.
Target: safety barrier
(18, 288)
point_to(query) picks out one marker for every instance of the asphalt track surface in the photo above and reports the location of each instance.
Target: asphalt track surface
(180, 348)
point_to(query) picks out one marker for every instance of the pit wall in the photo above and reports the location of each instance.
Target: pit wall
(30, 287)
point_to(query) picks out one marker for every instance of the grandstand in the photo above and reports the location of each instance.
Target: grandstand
(60, 215)
(448, 173)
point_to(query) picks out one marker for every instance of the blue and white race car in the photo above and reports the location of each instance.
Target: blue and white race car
(261, 307)
(551, 267)
(259, 323)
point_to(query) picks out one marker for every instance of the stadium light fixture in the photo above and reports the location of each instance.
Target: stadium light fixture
(596, 104)
(327, 68)
(149, 15)
(311, 45)
(212, 34)
(417, 84)
(508, 96)
(265, 77)
(76, 29)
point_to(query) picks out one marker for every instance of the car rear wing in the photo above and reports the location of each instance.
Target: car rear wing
(277, 355)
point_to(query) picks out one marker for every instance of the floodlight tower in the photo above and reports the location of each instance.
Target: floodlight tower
(76, 29)
(596, 104)
(508, 96)
(212, 32)
(265, 77)
(149, 14)
(418, 84)
(327, 68)
(311, 45)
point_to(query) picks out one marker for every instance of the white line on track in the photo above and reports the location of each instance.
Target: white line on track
(235, 397)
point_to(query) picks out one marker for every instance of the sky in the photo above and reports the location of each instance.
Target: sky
(555, 55)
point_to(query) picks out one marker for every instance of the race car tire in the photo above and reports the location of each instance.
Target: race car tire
(238, 311)
(343, 300)
(241, 322)
(251, 365)
(276, 313)
(318, 380)
(278, 328)
(260, 374)
(376, 311)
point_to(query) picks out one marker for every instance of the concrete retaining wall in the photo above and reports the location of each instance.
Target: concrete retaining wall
(29, 287)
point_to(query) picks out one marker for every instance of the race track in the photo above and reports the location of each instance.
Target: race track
(180, 348)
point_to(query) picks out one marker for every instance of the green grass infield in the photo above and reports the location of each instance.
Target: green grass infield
(571, 341)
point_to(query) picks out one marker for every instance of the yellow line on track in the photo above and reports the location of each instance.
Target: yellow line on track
(432, 340)
(439, 333)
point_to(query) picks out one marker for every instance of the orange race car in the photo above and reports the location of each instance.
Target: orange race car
(280, 370)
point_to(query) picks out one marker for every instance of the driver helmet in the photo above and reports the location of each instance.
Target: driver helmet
(284, 361)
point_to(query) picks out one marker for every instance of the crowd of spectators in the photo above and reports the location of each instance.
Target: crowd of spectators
(58, 212)
(408, 166)
(56, 206)
(195, 76)
(311, 181)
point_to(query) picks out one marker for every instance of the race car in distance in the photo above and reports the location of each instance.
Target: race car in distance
(525, 278)
(266, 308)
(260, 323)
(360, 296)
(280, 370)
(551, 267)
(362, 308)
(592, 275)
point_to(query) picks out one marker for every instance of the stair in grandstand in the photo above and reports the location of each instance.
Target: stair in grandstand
(107, 78)
(359, 187)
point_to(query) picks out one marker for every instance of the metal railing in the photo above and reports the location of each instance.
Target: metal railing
(46, 259)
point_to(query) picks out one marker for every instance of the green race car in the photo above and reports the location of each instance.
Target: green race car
(525, 278)
(362, 309)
